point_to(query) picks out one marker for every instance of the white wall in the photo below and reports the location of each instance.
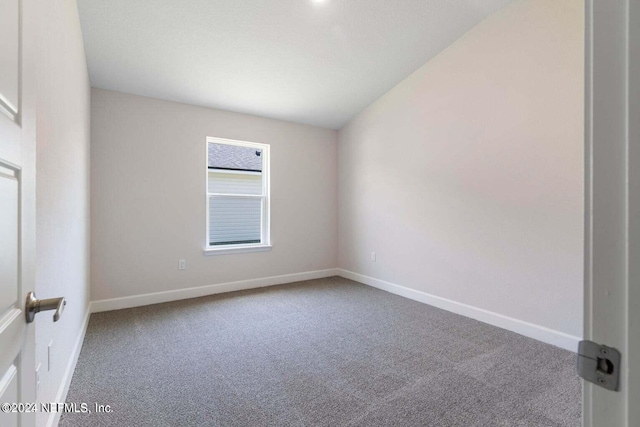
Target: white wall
(148, 183)
(467, 177)
(62, 222)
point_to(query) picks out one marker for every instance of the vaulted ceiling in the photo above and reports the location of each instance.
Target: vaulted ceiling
(310, 61)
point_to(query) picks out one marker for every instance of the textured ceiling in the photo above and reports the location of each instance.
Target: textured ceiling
(299, 60)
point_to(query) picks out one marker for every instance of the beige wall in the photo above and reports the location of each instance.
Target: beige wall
(148, 196)
(467, 177)
(62, 222)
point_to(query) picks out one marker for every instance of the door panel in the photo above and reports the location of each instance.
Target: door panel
(9, 56)
(11, 319)
(17, 205)
(9, 238)
(9, 393)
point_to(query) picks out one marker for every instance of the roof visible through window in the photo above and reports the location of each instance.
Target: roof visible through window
(233, 157)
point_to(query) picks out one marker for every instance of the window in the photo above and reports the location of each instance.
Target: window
(237, 196)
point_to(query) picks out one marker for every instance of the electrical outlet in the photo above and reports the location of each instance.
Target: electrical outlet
(38, 379)
(182, 264)
(373, 256)
(49, 356)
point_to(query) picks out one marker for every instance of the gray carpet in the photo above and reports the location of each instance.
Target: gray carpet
(328, 352)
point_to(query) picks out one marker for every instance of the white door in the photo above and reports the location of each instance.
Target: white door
(612, 226)
(17, 209)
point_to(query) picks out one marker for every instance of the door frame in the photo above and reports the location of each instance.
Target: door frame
(612, 202)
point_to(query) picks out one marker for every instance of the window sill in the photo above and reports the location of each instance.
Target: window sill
(236, 249)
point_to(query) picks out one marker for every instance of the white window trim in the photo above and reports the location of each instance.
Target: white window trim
(237, 249)
(265, 231)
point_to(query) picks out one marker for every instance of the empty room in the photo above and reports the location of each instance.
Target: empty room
(319, 213)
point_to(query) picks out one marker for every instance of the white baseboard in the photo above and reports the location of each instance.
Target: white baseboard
(540, 333)
(54, 417)
(178, 294)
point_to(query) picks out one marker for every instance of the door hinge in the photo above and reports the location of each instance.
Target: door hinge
(599, 364)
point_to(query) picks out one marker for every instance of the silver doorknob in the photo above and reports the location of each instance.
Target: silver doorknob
(35, 305)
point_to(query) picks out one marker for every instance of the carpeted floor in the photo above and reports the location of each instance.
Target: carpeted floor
(328, 352)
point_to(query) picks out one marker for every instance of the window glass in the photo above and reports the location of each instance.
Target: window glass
(236, 193)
